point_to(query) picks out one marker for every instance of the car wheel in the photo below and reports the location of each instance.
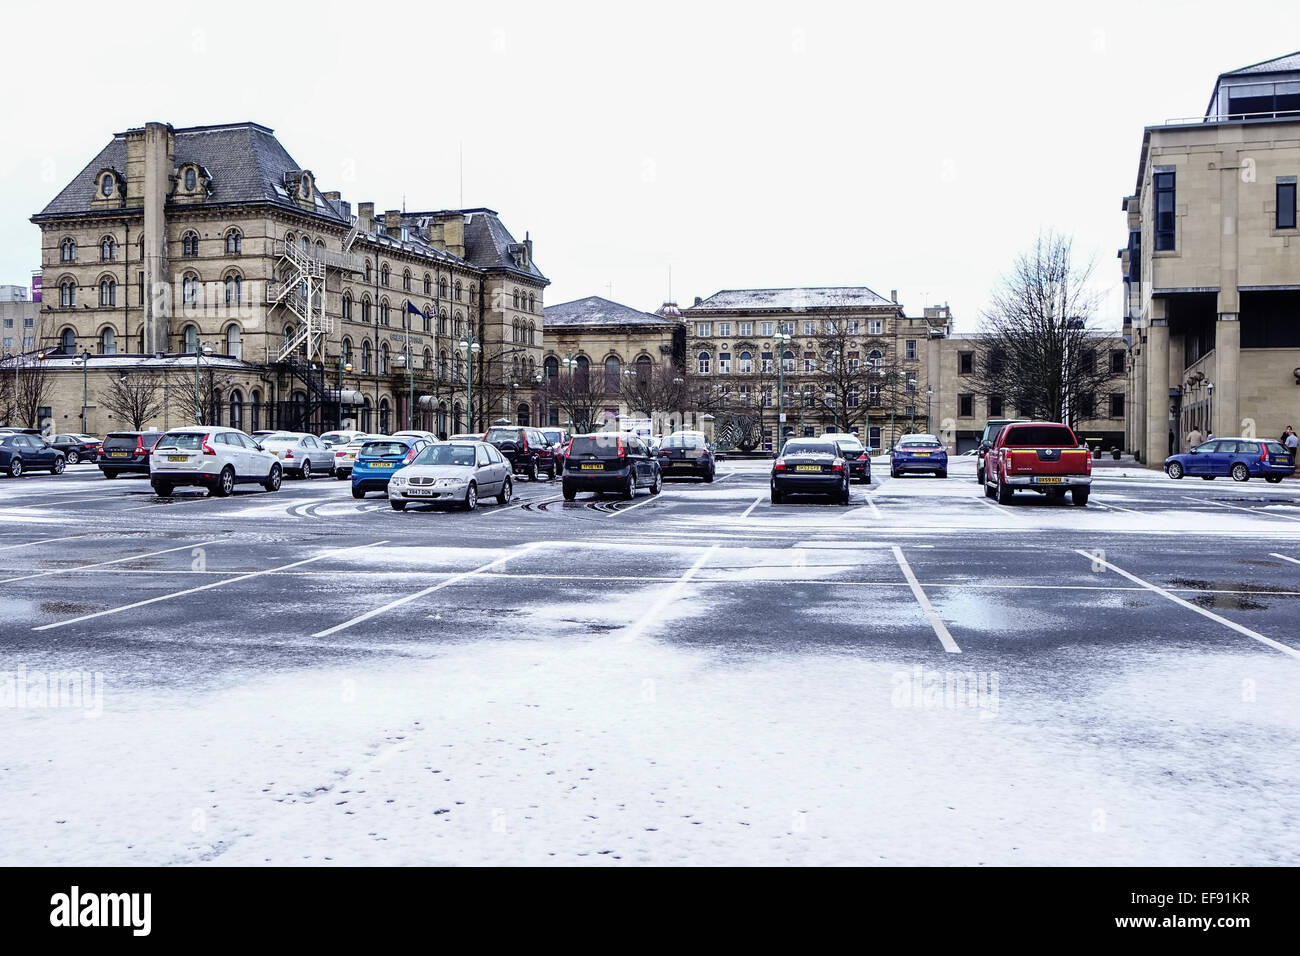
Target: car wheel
(340, 475)
(979, 475)
(1175, 471)
(398, 505)
(777, 497)
(866, 479)
(471, 497)
(58, 466)
(659, 483)
(1240, 472)
(357, 492)
(550, 474)
(73, 458)
(708, 477)
(1058, 495)
(110, 474)
(942, 474)
(276, 476)
(629, 488)
(532, 471)
(306, 470)
(569, 492)
(893, 472)
(845, 494)
(1005, 494)
(1079, 496)
(507, 489)
(225, 483)
(162, 489)
(988, 490)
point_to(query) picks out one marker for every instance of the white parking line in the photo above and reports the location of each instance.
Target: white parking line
(1239, 628)
(671, 594)
(1284, 557)
(918, 592)
(429, 590)
(100, 564)
(658, 497)
(1253, 511)
(205, 587)
(757, 501)
(24, 544)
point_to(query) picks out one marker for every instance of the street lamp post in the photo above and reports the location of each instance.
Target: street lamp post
(200, 350)
(780, 339)
(338, 393)
(84, 361)
(678, 382)
(470, 347)
(929, 393)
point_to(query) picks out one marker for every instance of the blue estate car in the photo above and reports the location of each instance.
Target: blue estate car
(379, 459)
(1240, 458)
(918, 453)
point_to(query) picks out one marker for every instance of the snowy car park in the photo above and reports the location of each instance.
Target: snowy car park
(703, 676)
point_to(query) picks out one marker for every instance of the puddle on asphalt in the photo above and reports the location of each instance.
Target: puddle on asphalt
(64, 607)
(1227, 602)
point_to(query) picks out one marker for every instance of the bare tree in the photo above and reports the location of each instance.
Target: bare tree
(31, 389)
(1039, 347)
(8, 389)
(576, 398)
(179, 393)
(136, 397)
(654, 391)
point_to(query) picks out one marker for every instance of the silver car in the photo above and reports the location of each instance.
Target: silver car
(458, 472)
(300, 454)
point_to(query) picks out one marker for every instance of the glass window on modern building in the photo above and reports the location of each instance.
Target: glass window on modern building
(1286, 202)
(1164, 181)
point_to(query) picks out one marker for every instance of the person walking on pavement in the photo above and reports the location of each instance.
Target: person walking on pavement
(1290, 440)
(1194, 437)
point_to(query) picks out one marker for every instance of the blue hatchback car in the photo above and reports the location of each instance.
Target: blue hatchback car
(379, 459)
(918, 454)
(1239, 458)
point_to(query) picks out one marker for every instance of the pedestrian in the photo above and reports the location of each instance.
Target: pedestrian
(1290, 440)
(1194, 437)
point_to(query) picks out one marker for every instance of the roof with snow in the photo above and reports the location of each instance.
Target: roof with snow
(815, 297)
(595, 311)
(245, 162)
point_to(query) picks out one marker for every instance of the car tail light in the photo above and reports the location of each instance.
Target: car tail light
(139, 445)
(410, 457)
(779, 465)
(1263, 452)
(621, 452)
(207, 449)
(524, 439)
(288, 453)
(863, 457)
(837, 465)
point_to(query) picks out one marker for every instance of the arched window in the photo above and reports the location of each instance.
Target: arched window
(428, 360)
(428, 284)
(442, 287)
(191, 338)
(255, 411)
(442, 322)
(68, 250)
(473, 295)
(107, 292)
(746, 362)
(525, 414)
(552, 367)
(365, 308)
(365, 356)
(234, 341)
(613, 373)
(406, 280)
(383, 312)
(427, 315)
(532, 302)
(68, 342)
(234, 289)
(107, 185)
(288, 334)
(107, 342)
(190, 244)
(345, 356)
(455, 418)
(532, 333)
(787, 361)
(234, 242)
(190, 289)
(582, 373)
(704, 362)
(236, 409)
(290, 238)
(367, 270)
(514, 331)
(383, 275)
(874, 358)
(458, 290)
(516, 298)
(383, 359)
(365, 414)
(383, 416)
(305, 244)
(108, 249)
(442, 364)
(643, 368)
(191, 179)
(347, 306)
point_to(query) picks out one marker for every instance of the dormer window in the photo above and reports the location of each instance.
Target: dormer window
(304, 186)
(106, 185)
(191, 179)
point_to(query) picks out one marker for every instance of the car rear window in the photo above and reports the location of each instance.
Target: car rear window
(123, 441)
(191, 441)
(446, 455)
(683, 441)
(598, 445)
(503, 434)
(811, 448)
(1036, 436)
(384, 449)
(553, 435)
(1276, 448)
(920, 444)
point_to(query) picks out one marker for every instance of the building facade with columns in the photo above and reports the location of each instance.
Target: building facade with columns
(1212, 266)
(181, 246)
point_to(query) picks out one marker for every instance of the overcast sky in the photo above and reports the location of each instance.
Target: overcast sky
(916, 146)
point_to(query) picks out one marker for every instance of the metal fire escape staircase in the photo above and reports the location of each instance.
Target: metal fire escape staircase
(302, 292)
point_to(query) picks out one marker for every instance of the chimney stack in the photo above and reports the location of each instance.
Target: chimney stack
(893, 296)
(393, 223)
(365, 216)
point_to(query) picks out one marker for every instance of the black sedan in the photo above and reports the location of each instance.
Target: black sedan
(810, 466)
(20, 454)
(77, 448)
(610, 462)
(687, 454)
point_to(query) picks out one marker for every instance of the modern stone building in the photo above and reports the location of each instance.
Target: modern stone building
(828, 358)
(602, 342)
(212, 242)
(1212, 265)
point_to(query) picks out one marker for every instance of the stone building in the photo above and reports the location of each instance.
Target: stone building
(212, 242)
(1212, 265)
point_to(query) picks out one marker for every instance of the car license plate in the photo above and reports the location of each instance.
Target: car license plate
(586, 467)
(117, 454)
(178, 457)
(381, 464)
(807, 467)
(422, 492)
(920, 454)
(1048, 481)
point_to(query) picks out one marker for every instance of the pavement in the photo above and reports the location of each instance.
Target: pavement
(922, 677)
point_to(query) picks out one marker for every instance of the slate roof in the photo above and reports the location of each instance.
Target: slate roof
(841, 297)
(1282, 64)
(488, 243)
(245, 160)
(594, 311)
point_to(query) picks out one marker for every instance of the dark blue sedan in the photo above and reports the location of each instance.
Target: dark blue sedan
(20, 454)
(918, 454)
(1239, 458)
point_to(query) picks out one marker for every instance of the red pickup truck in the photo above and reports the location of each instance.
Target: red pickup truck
(1044, 457)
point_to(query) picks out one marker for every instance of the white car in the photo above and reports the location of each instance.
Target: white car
(331, 439)
(466, 436)
(214, 457)
(299, 453)
(427, 436)
(346, 455)
(459, 472)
